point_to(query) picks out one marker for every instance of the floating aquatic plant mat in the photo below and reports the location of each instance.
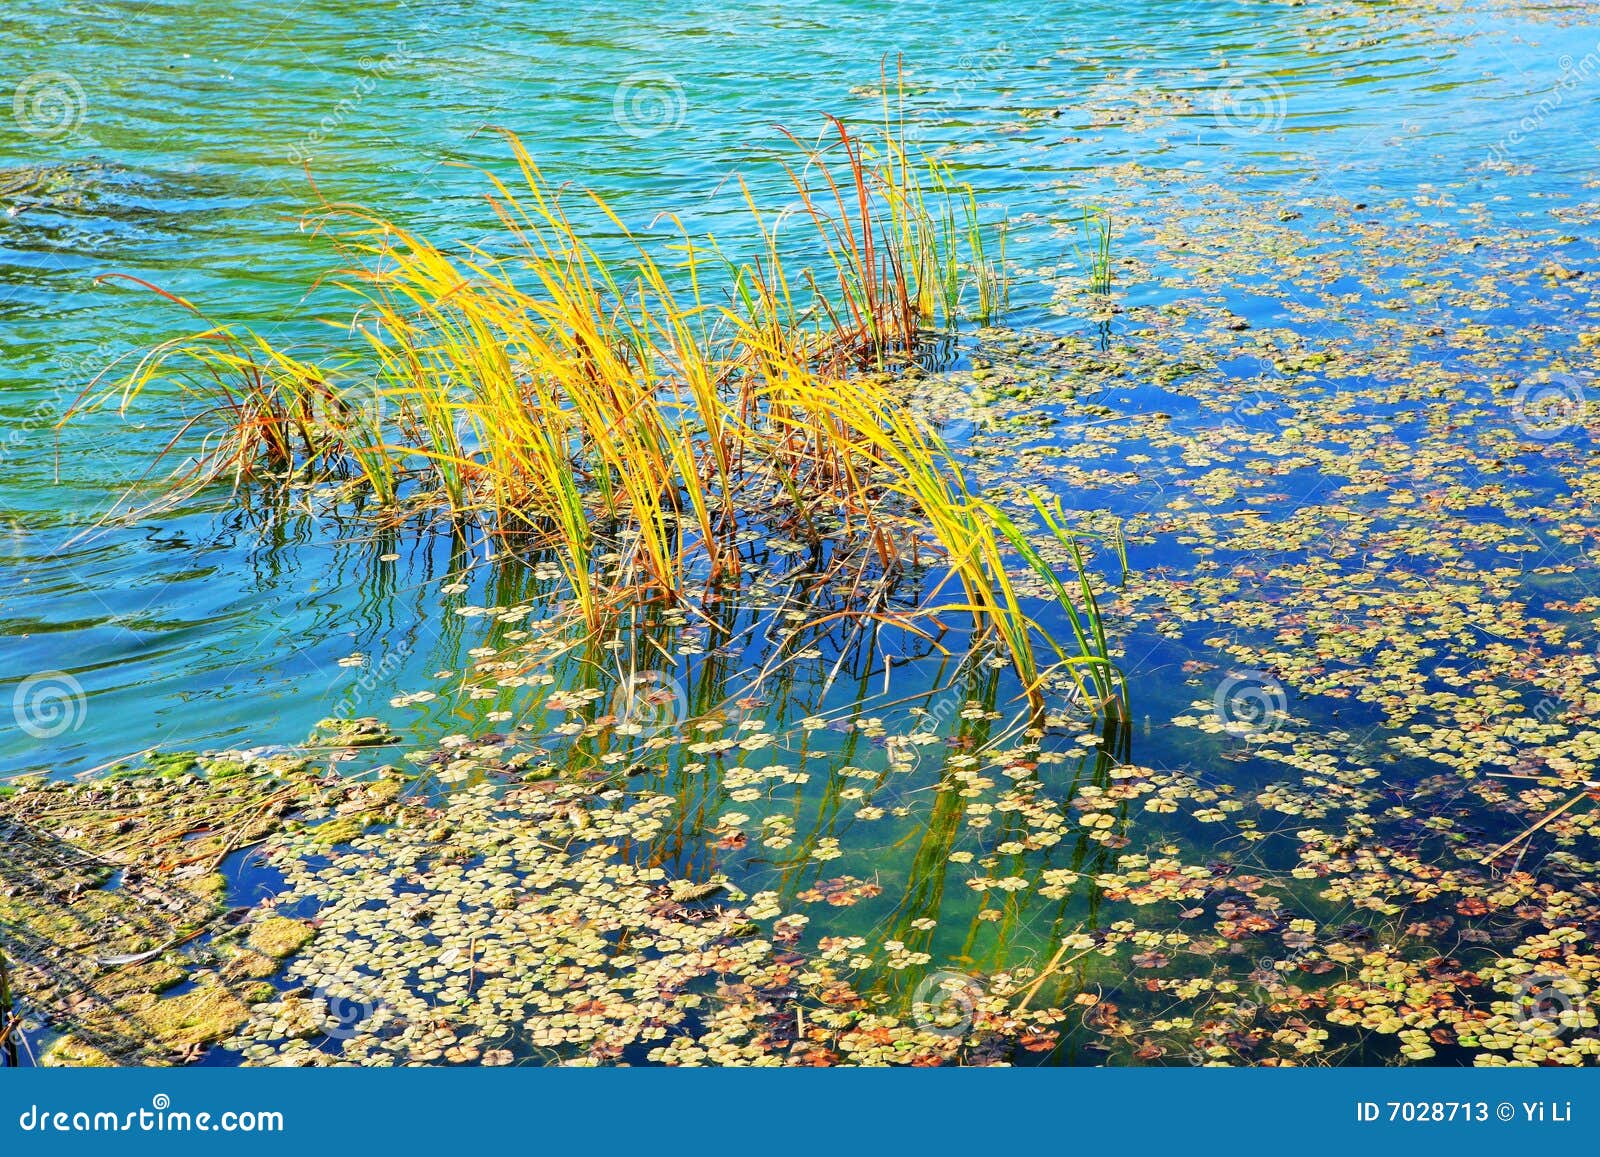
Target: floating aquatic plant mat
(115, 922)
(1359, 612)
(942, 883)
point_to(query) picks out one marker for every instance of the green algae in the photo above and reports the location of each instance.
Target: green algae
(113, 909)
(342, 830)
(362, 732)
(200, 1016)
(72, 1053)
(279, 936)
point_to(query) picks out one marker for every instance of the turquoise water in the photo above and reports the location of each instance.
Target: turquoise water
(171, 142)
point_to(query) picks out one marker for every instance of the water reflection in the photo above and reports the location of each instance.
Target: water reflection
(190, 177)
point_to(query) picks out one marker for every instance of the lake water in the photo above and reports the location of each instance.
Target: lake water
(171, 148)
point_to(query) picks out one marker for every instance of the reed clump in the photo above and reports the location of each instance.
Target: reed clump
(1095, 249)
(619, 415)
